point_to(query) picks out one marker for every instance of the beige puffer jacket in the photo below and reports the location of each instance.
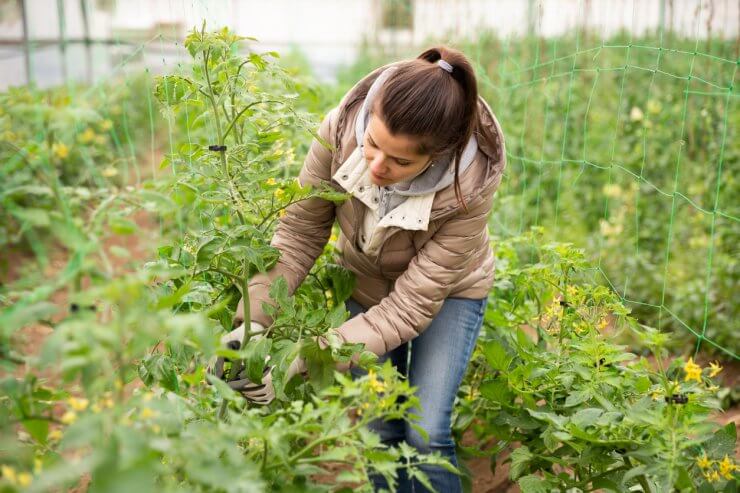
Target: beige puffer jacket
(415, 270)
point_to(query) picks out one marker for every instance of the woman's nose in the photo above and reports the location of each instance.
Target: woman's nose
(377, 164)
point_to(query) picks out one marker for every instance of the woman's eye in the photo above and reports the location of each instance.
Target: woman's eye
(402, 163)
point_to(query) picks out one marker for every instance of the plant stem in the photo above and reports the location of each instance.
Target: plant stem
(641, 478)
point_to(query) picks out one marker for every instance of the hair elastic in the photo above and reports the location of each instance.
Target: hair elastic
(444, 65)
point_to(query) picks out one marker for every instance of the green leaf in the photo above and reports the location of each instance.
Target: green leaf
(520, 459)
(722, 442)
(586, 417)
(70, 235)
(37, 428)
(222, 388)
(257, 352)
(336, 197)
(496, 391)
(279, 291)
(337, 316)
(171, 89)
(534, 484)
(421, 477)
(159, 368)
(342, 281)
(320, 365)
(34, 217)
(173, 298)
(207, 248)
(577, 397)
(337, 453)
(642, 384)
(121, 226)
(19, 315)
(605, 484)
(496, 355)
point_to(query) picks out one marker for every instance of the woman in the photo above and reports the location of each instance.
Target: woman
(421, 155)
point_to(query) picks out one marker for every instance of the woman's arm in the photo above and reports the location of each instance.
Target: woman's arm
(301, 234)
(419, 292)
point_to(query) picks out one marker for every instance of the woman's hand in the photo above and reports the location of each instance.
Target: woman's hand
(264, 392)
(233, 340)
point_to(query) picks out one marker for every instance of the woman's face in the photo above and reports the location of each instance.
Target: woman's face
(391, 158)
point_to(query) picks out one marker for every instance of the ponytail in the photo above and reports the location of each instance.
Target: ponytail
(440, 107)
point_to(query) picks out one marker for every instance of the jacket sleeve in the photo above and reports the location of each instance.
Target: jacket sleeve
(302, 232)
(418, 293)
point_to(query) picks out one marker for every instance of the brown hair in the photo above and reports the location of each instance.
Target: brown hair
(423, 100)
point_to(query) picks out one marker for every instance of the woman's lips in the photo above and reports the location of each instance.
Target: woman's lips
(376, 176)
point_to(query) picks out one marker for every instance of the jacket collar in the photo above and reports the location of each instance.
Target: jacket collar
(412, 214)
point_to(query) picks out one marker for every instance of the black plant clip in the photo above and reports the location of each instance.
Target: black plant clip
(677, 398)
(74, 307)
(217, 148)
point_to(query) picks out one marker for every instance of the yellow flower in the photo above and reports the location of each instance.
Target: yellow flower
(581, 327)
(656, 395)
(60, 150)
(109, 172)
(38, 465)
(69, 417)
(654, 107)
(711, 476)
(693, 371)
(9, 474)
(282, 213)
(603, 323)
(362, 408)
(55, 435)
(106, 125)
(703, 462)
(612, 190)
(279, 193)
(636, 114)
(147, 413)
(727, 467)
(78, 404)
(270, 181)
(333, 238)
(713, 388)
(328, 293)
(87, 136)
(714, 369)
(609, 229)
(375, 384)
(24, 479)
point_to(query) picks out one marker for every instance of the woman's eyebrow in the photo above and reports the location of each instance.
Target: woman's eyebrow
(372, 141)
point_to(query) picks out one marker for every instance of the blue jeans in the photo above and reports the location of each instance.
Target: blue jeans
(436, 366)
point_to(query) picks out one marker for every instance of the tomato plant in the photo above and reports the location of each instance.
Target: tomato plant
(585, 412)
